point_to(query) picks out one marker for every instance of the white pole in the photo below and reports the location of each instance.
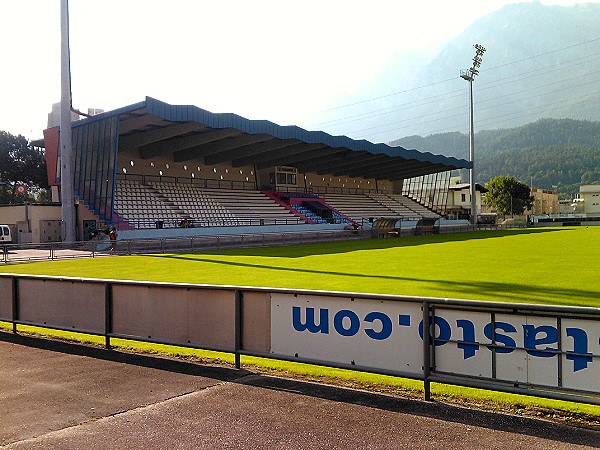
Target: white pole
(66, 150)
(469, 75)
(472, 157)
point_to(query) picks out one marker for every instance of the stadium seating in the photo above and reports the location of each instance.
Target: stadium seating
(403, 206)
(250, 205)
(194, 204)
(358, 207)
(307, 213)
(145, 205)
(142, 208)
(414, 206)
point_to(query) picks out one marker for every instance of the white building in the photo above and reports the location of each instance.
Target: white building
(589, 198)
(459, 200)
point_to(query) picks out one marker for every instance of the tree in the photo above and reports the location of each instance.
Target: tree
(508, 195)
(20, 163)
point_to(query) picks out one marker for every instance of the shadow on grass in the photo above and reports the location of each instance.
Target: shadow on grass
(288, 387)
(509, 292)
(324, 248)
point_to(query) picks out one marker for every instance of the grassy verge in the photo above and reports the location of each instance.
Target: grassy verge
(570, 413)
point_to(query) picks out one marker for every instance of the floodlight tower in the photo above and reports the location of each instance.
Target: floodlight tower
(66, 151)
(469, 75)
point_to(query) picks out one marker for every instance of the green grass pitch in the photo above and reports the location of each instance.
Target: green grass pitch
(543, 265)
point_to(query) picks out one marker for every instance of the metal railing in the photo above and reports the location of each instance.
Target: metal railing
(14, 253)
(145, 224)
(557, 346)
(216, 183)
(51, 251)
(206, 183)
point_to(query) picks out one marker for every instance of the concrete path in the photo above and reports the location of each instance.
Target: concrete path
(58, 395)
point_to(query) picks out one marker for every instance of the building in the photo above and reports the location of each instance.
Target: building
(544, 202)
(32, 222)
(588, 199)
(148, 167)
(582, 210)
(459, 200)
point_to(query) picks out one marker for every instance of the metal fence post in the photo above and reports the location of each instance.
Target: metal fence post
(108, 314)
(426, 351)
(238, 327)
(15, 303)
(493, 347)
(559, 327)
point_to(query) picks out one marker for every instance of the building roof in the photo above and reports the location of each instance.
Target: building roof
(589, 188)
(155, 128)
(461, 186)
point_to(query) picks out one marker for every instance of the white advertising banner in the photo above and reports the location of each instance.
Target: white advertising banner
(370, 333)
(581, 363)
(388, 335)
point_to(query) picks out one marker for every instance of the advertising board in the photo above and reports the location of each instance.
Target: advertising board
(376, 334)
(387, 335)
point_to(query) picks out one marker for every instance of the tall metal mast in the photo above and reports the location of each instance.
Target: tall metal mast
(469, 75)
(66, 150)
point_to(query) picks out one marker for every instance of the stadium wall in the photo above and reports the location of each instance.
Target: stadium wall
(130, 163)
(149, 233)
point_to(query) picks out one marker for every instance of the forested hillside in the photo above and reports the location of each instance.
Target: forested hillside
(555, 154)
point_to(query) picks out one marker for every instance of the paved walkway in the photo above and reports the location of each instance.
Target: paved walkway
(35, 254)
(58, 395)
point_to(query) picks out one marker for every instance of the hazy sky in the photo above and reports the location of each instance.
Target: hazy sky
(277, 60)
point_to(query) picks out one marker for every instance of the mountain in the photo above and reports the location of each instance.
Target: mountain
(556, 154)
(541, 61)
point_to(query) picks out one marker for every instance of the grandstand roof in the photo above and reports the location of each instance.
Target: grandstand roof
(156, 128)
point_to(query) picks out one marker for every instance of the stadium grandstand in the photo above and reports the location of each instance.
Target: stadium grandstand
(156, 166)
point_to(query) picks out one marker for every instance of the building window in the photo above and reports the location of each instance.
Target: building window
(463, 197)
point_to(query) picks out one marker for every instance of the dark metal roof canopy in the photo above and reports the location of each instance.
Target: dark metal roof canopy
(155, 128)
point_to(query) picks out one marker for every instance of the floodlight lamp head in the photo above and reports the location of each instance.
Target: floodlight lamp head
(480, 48)
(466, 75)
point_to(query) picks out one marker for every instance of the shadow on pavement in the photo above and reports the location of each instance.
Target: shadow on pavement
(445, 412)
(500, 422)
(154, 362)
